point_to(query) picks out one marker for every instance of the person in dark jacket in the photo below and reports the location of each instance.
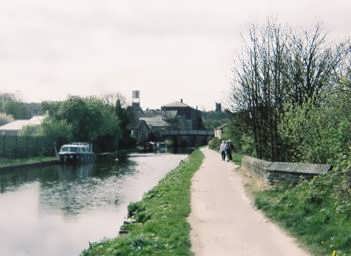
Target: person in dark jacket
(228, 150)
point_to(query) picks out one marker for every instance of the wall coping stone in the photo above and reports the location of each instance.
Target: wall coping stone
(293, 168)
(299, 168)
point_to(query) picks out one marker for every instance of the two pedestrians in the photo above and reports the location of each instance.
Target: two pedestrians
(225, 150)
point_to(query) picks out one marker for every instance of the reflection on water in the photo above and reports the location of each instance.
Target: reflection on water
(57, 210)
(89, 186)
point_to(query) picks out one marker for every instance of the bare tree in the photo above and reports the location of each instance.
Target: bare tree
(278, 66)
(112, 98)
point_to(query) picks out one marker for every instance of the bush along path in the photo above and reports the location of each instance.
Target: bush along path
(158, 223)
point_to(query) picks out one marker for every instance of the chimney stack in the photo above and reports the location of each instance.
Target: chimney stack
(218, 107)
(136, 99)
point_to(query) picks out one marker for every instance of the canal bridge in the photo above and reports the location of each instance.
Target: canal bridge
(187, 137)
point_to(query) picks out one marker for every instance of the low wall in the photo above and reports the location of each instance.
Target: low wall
(274, 172)
(255, 165)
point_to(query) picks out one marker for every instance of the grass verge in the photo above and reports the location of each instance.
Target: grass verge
(317, 212)
(4, 162)
(159, 225)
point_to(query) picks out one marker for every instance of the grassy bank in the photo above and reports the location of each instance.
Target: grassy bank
(160, 226)
(317, 212)
(4, 162)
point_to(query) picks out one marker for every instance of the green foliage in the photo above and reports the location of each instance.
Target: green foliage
(58, 131)
(247, 145)
(278, 66)
(89, 118)
(240, 134)
(13, 106)
(214, 143)
(124, 119)
(318, 133)
(83, 119)
(294, 99)
(318, 212)
(16, 109)
(214, 119)
(51, 107)
(161, 227)
(13, 147)
(31, 130)
(237, 158)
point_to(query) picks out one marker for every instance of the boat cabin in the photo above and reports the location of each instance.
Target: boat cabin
(75, 152)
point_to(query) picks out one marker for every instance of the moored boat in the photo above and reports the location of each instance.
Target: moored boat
(79, 152)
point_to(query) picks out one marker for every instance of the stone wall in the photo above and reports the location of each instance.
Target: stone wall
(255, 165)
(274, 172)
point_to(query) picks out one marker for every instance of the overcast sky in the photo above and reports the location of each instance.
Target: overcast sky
(167, 49)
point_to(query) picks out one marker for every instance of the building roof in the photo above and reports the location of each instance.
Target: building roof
(170, 114)
(155, 121)
(177, 104)
(18, 125)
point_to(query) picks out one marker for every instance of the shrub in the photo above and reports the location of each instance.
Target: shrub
(214, 143)
(318, 133)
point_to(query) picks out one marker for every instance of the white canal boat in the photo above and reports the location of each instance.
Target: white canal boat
(79, 152)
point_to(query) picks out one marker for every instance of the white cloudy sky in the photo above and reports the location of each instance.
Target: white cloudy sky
(167, 49)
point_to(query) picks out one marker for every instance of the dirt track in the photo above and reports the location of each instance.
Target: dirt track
(223, 220)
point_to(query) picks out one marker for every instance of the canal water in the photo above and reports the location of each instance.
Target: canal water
(58, 210)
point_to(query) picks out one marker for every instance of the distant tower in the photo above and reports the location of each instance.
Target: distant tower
(218, 107)
(136, 99)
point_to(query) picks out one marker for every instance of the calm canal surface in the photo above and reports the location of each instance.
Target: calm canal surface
(57, 210)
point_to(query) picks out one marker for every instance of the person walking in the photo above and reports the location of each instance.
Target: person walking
(222, 149)
(228, 150)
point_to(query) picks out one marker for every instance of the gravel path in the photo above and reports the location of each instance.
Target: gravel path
(223, 219)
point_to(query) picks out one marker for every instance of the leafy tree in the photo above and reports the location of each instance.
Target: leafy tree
(213, 119)
(280, 66)
(12, 105)
(121, 114)
(31, 130)
(125, 118)
(84, 119)
(59, 131)
(320, 132)
(51, 107)
(16, 109)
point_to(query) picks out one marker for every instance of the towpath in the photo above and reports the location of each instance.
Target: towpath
(223, 219)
